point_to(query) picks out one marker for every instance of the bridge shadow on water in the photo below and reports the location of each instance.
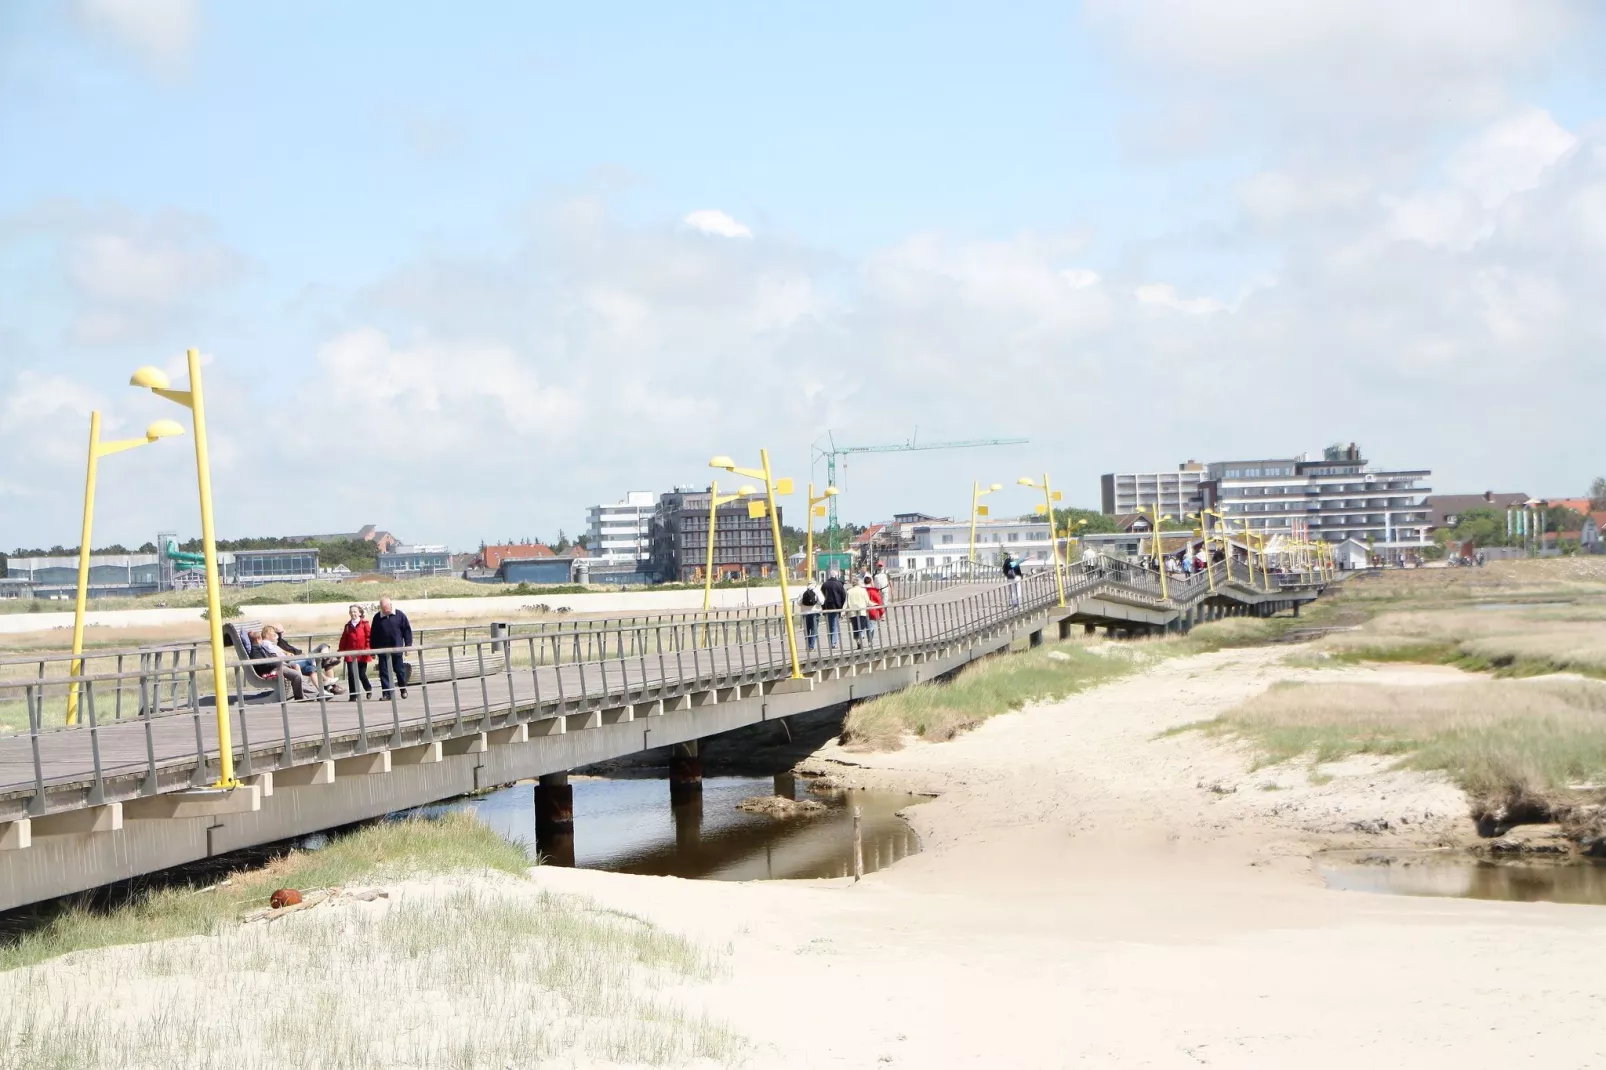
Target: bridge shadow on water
(628, 825)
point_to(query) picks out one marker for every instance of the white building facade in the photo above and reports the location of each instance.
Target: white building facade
(1177, 493)
(621, 533)
(1336, 498)
(940, 545)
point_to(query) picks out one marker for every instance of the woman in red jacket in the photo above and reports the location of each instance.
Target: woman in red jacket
(877, 602)
(355, 637)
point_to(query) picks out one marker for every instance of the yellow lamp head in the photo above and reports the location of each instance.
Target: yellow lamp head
(996, 486)
(1026, 481)
(163, 429)
(154, 378)
(831, 492)
(713, 462)
(745, 489)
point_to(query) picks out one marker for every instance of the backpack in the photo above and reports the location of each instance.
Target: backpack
(810, 597)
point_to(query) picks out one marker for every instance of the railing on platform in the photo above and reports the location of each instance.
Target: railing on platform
(147, 725)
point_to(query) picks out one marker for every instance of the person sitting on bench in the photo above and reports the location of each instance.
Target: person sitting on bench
(290, 673)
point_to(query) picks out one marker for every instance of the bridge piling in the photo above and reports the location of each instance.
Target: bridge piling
(554, 819)
(685, 772)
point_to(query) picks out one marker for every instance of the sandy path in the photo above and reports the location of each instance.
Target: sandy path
(1090, 895)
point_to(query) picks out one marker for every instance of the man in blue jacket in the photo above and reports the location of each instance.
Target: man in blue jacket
(390, 628)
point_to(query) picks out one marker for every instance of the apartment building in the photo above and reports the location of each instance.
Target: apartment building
(1335, 498)
(1176, 492)
(744, 546)
(621, 533)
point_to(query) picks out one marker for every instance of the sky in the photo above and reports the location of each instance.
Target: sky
(462, 272)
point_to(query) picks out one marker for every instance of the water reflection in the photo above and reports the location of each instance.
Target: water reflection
(629, 826)
(1463, 878)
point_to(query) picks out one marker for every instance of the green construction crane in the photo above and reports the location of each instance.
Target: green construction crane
(831, 451)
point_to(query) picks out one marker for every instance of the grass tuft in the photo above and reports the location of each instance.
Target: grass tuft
(940, 710)
(1497, 739)
(454, 842)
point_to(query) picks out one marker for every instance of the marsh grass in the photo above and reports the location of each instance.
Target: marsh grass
(1510, 642)
(1495, 738)
(940, 710)
(490, 975)
(453, 843)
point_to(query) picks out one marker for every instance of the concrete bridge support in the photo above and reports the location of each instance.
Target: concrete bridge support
(554, 819)
(685, 772)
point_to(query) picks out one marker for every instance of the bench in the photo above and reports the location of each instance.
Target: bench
(434, 668)
(259, 675)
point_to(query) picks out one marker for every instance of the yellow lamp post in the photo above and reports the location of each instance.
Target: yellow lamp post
(977, 509)
(97, 450)
(1159, 548)
(715, 500)
(816, 508)
(772, 488)
(1072, 536)
(1047, 509)
(157, 382)
(1203, 517)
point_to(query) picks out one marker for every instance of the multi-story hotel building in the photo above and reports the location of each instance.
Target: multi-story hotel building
(1335, 498)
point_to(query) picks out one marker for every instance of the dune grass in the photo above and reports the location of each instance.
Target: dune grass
(453, 843)
(940, 710)
(1497, 739)
(1508, 642)
(489, 975)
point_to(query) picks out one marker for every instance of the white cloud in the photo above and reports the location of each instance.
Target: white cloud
(1165, 295)
(161, 32)
(1394, 61)
(1080, 278)
(1510, 156)
(712, 221)
(442, 397)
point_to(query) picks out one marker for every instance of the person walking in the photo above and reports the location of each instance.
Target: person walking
(390, 628)
(833, 596)
(1012, 574)
(856, 606)
(883, 582)
(355, 636)
(874, 614)
(808, 605)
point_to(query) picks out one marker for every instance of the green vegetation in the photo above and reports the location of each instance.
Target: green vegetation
(1497, 739)
(386, 850)
(492, 973)
(941, 710)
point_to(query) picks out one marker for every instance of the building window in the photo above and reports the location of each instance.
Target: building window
(947, 539)
(1014, 536)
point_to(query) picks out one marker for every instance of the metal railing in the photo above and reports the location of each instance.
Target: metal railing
(148, 725)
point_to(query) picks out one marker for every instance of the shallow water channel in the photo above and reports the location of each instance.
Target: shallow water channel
(1439, 874)
(628, 826)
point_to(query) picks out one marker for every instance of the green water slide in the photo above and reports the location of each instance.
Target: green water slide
(182, 561)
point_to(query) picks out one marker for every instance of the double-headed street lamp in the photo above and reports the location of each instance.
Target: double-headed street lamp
(977, 509)
(772, 488)
(157, 382)
(1159, 547)
(98, 449)
(715, 500)
(1047, 508)
(815, 504)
